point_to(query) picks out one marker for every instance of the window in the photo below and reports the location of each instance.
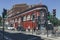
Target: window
(32, 16)
(42, 21)
(19, 20)
(28, 17)
(10, 15)
(41, 15)
(18, 12)
(16, 20)
(24, 18)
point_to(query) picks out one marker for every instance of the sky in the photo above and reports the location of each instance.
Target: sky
(51, 4)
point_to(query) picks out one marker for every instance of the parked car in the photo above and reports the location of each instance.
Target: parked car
(10, 28)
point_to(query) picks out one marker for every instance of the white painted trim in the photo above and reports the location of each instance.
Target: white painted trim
(31, 10)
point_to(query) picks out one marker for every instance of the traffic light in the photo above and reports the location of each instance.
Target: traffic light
(4, 14)
(48, 15)
(54, 12)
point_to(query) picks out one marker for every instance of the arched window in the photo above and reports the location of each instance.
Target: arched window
(19, 20)
(33, 17)
(24, 18)
(28, 17)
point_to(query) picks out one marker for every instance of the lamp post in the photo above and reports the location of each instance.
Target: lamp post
(4, 14)
(3, 26)
(47, 18)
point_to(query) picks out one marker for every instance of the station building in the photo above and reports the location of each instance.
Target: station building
(29, 17)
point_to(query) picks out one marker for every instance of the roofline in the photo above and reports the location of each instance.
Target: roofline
(31, 9)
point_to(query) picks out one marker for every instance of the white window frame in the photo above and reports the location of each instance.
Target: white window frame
(28, 17)
(24, 18)
(16, 20)
(19, 20)
(31, 17)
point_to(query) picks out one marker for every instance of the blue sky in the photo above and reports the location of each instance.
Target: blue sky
(52, 4)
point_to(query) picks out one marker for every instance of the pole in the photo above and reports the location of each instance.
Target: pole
(46, 28)
(3, 27)
(32, 27)
(47, 33)
(3, 16)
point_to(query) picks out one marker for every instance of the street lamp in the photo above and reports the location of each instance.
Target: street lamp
(4, 14)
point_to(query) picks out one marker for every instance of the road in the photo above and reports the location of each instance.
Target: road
(1, 37)
(18, 36)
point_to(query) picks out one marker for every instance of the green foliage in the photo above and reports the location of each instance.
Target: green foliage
(53, 20)
(59, 22)
(49, 17)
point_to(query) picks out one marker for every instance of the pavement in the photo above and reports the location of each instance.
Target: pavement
(50, 37)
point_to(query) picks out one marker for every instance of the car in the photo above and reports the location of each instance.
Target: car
(10, 28)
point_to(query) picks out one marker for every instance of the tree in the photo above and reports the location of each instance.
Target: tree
(53, 20)
(58, 22)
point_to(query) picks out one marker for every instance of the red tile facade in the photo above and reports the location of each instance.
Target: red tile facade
(22, 15)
